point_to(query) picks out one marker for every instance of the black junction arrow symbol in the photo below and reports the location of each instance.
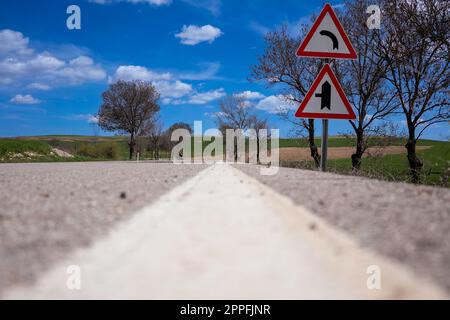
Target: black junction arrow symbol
(325, 101)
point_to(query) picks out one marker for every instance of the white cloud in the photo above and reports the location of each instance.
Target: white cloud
(174, 89)
(80, 70)
(214, 115)
(192, 34)
(13, 41)
(89, 118)
(24, 99)
(213, 6)
(209, 73)
(250, 95)
(167, 101)
(128, 73)
(20, 64)
(259, 28)
(164, 82)
(199, 98)
(39, 86)
(248, 103)
(338, 5)
(274, 104)
(206, 97)
(92, 119)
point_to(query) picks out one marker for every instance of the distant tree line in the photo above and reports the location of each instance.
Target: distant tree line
(132, 108)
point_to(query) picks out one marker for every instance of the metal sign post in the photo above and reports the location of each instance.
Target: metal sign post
(326, 98)
(324, 145)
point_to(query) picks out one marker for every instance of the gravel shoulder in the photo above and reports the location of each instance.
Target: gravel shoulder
(408, 223)
(49, 209)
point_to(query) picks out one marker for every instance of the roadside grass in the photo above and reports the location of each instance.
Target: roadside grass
(13, 150)
(40, 150)
(339, 141)
(95, 150)
(394, 167)
(12, 146)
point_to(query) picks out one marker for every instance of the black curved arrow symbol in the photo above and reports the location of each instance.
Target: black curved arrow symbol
(333, 38)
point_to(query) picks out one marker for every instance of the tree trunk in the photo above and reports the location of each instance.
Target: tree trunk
(235, 150)
(257, 148)
(131, 144)
(415, 165)
(357, 156)
(155, 150)
(312, 145)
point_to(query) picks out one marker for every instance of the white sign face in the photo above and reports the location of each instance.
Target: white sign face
(327, 38)
(326, 99)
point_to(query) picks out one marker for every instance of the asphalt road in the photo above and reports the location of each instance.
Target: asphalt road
(257, 233)
(408, 223)
(49, 209)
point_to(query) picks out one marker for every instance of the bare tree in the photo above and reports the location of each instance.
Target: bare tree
(258, 124)
(279, 65)
(234, 114)
(415, 45)
(155, 134)
(128, 107)
(363, 79)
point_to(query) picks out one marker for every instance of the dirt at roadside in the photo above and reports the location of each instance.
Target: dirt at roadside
(291, 154)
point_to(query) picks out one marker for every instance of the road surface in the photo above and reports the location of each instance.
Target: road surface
(140, 230)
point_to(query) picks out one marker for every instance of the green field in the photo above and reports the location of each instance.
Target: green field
(436, 160)
(90, 148)
(436, 169)
(338, 141)
(40, 149)
(12, 150)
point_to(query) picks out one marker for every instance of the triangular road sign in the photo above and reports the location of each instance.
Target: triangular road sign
(327, 38)
(326, 99)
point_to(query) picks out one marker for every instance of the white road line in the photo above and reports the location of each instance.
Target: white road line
(223, 235)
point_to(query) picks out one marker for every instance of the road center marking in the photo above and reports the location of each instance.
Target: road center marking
(224, 235)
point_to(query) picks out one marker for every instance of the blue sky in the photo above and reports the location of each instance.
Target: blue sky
(194, 51)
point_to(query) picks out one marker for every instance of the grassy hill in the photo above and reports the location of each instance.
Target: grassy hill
(62, 148)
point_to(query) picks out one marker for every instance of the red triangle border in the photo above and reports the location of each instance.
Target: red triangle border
(325, 70)
(301, 50)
